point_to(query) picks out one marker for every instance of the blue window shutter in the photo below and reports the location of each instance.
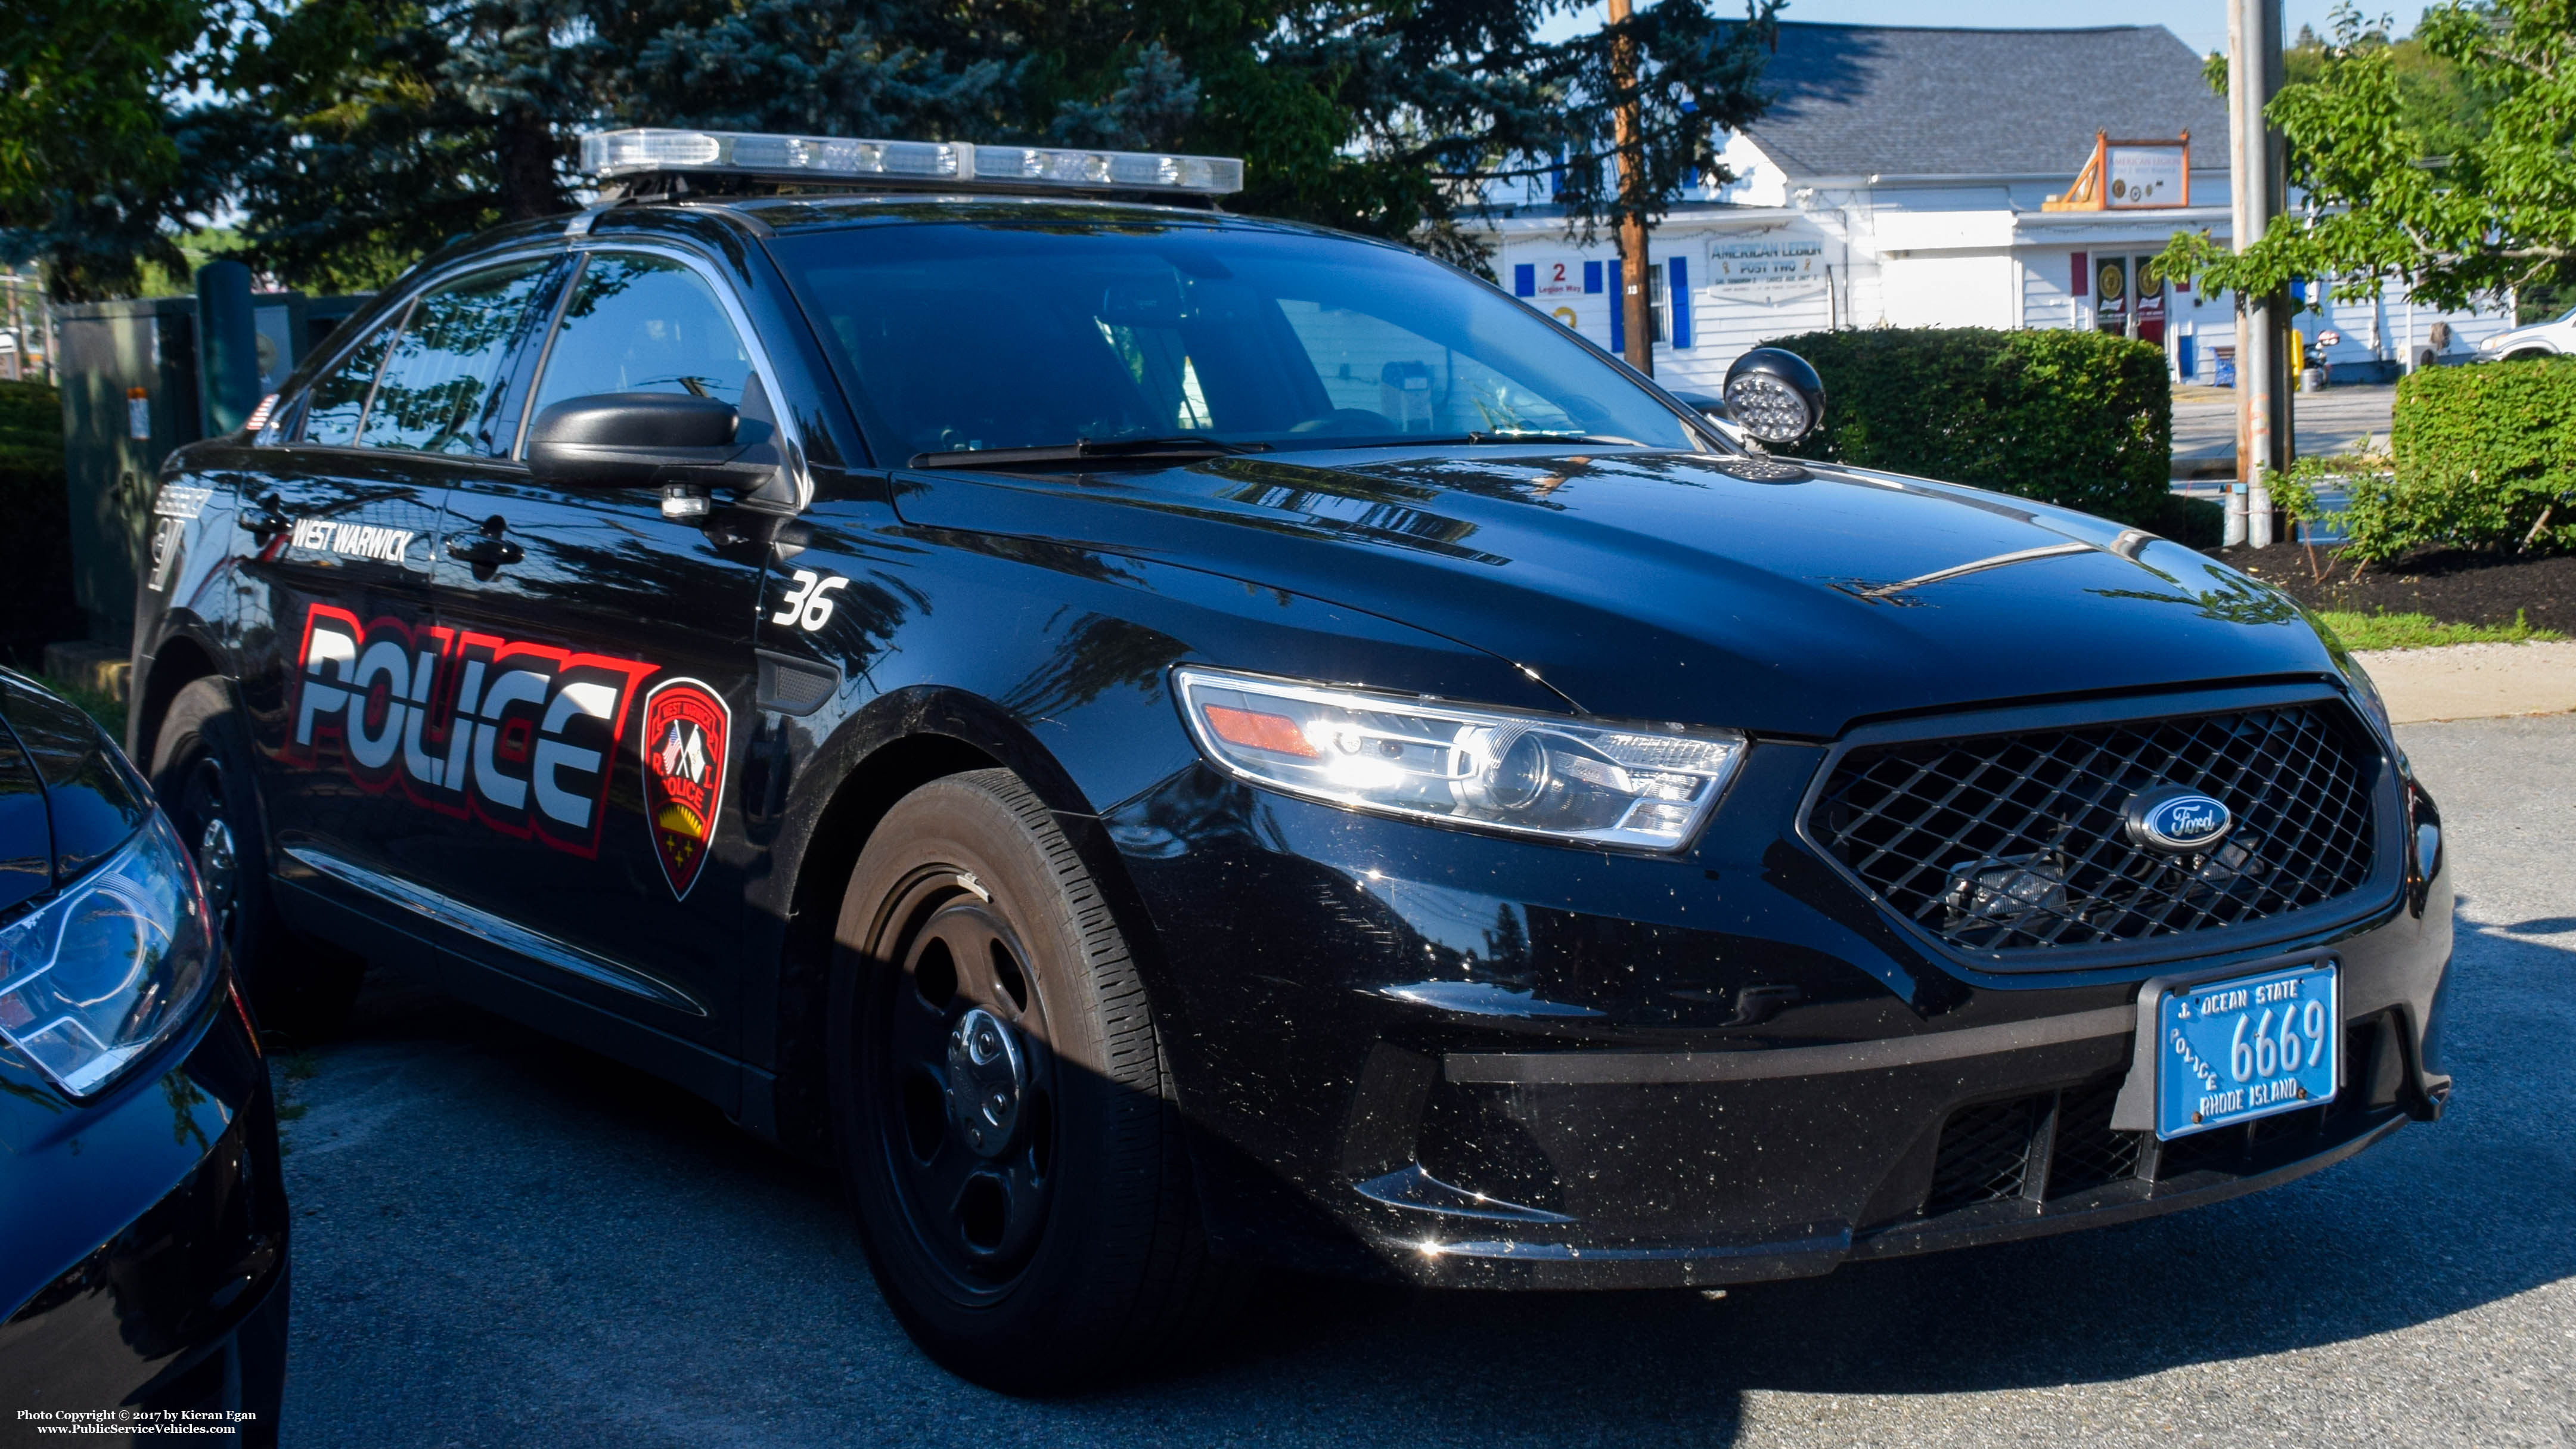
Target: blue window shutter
(1619, 317)
(1677, 302)
(1524, 280)
(1591, 276)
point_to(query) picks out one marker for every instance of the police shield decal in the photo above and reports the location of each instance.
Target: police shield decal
(686, 726)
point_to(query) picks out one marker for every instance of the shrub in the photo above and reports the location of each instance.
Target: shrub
(2076, 418)
(2485, 458)
(36, 550)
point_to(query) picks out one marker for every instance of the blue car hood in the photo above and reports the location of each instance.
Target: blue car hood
(1670, 586)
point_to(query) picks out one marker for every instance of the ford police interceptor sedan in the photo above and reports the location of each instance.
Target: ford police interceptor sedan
(1161, 739)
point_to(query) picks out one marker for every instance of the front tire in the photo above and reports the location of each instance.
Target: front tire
(1000, 1103)
(201, 771)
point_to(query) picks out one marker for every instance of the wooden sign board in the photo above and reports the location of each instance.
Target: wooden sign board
(2130, 176)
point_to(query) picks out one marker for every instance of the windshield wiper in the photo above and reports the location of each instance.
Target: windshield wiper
(1540, 435)
(1486, 440)
(1086, 449)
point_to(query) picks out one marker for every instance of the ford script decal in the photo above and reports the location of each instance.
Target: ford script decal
(2178, 820)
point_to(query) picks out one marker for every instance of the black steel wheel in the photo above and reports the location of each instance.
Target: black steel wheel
(301, 988)
(1001, 1109)
(964, 1086)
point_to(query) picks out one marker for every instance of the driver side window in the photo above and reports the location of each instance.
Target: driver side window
(642, 324)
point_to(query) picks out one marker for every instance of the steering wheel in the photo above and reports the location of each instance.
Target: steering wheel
(1349, 422)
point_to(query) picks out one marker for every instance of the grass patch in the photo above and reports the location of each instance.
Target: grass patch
(98, 704)
(2423, 631)
(303, 1066)
(292, 1111)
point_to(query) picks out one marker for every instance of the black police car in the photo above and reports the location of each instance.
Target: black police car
(142, 1205)
(1160, 739)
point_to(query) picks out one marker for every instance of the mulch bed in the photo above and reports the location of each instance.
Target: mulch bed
(2455, 586)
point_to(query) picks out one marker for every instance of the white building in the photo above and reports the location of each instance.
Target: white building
(1900, 178)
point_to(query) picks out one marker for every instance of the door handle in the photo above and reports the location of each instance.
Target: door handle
(266, 517)
(485, 548)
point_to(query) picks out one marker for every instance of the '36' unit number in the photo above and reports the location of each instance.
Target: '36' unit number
(808, 604)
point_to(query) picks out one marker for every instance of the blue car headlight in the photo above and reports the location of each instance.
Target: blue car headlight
(116, 961)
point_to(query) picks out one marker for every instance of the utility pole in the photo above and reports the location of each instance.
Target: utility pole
(1636, 302)
(2258, 179)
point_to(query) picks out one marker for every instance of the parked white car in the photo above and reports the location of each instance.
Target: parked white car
(2541, 339)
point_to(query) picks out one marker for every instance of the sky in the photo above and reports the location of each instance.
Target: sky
(2202, 24)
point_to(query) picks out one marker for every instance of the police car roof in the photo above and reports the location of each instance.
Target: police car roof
(830, 209)
(666, 161)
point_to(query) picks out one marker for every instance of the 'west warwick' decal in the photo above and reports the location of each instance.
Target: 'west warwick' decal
(354, 540)
(519, 736)
(685, 729)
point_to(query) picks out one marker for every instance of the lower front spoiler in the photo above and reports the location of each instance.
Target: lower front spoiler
(2198, 1177)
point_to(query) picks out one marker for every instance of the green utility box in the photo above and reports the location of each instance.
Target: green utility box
(129, 374)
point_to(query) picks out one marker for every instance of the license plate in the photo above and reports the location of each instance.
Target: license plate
(2231, 1051)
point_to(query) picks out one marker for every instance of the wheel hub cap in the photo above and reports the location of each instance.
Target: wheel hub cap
(216, 861)
(987, 1075)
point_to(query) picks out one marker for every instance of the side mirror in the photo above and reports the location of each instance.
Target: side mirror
(1774, 395)
(1704, 405)
(683, 445)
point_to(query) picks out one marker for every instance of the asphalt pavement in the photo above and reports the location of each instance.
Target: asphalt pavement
(501, 1240)
(2337, 420)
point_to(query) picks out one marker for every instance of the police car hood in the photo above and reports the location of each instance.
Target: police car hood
(1687, 586)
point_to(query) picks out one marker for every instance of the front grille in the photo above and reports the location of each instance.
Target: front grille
(1986, 1150)
(1985, 1154)
(2016, 842)
(2089, 1154)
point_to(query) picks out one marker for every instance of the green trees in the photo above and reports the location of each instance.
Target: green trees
(2444, 163)
(351, 136)
(96, 168)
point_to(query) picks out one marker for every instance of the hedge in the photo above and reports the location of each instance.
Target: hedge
(2082, 419)
(2485, 458)
(36, 550)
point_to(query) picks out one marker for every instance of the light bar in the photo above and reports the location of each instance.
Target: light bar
(639, 150)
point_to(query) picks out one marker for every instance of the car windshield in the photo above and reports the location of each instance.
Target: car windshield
(964, 337)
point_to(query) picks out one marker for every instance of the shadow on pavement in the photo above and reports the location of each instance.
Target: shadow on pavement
(504, 1239)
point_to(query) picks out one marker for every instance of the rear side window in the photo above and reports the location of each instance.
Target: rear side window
(331, 416)
(643, 324)
(437, 390)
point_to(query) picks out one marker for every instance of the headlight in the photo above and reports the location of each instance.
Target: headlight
(103, 971)
(1536, 774)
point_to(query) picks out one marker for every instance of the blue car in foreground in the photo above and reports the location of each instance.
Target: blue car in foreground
(142, 1204)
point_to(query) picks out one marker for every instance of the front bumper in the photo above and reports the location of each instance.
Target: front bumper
(147, 1268)
(1460, 1060)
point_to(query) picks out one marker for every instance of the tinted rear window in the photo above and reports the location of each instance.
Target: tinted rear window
(437, 390)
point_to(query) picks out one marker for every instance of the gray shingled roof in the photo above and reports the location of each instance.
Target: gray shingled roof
(1897, 100)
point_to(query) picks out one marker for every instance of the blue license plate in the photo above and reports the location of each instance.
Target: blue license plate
(2234, 1050)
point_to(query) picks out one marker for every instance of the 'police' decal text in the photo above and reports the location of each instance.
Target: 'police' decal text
(519, 736)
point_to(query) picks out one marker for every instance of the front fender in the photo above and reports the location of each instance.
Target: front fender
(956, 649)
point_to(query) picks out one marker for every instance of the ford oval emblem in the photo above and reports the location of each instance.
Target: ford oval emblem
(2177, 819)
